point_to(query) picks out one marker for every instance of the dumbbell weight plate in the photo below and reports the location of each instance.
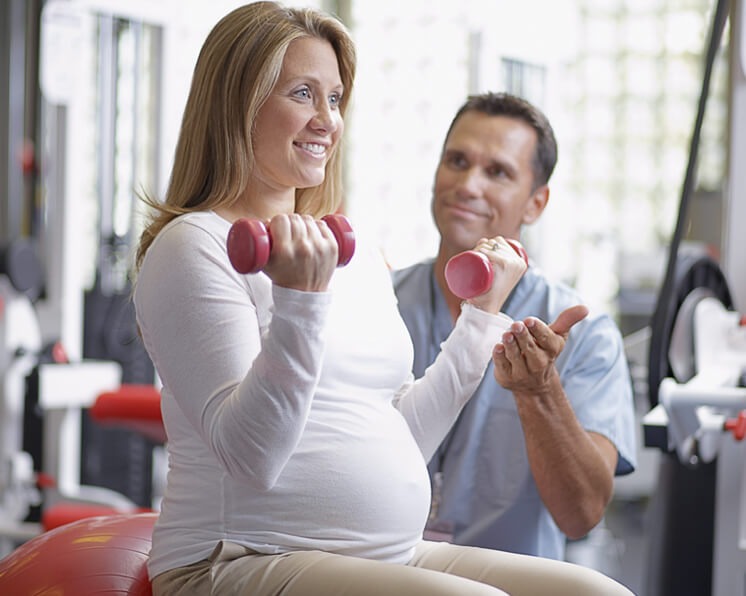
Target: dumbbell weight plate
(249, 245)
(342, 230)
(470, 273)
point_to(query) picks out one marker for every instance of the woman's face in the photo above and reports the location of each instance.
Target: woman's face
(299, 125)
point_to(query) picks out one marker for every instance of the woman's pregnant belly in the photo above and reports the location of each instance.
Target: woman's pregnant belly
(357, 484)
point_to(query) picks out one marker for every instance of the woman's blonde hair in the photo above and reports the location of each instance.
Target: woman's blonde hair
(237, 68)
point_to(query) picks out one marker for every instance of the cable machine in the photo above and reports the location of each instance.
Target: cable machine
(69, 185)
(697, 376)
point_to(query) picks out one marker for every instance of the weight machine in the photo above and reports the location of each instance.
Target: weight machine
(697, 377)
(50, 449)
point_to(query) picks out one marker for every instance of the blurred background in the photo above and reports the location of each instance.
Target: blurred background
(618, 79)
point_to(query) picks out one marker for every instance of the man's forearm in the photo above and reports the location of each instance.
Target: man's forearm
(573, 469)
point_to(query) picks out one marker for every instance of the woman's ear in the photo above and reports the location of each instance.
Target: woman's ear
(536, 205)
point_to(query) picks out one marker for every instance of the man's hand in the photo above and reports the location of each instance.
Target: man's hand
(524, 361)
(573, 468)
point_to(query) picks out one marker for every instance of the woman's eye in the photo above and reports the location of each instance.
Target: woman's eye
(335, 99)
(303, 93)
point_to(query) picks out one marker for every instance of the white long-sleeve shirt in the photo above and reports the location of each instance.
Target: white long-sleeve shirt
(292, 417)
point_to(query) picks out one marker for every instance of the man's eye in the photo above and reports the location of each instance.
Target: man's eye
(456, 161)
(496, 172)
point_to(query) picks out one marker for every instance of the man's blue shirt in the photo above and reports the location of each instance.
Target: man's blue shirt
(488, 495)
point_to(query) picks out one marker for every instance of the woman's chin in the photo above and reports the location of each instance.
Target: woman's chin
(311, 181)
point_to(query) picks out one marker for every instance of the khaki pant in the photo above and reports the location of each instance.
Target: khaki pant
(437, 569)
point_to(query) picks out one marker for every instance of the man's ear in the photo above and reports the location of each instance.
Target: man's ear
(536, 205)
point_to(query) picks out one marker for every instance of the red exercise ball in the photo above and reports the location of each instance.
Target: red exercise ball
(98, 555)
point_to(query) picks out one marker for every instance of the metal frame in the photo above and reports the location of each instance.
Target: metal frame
(735, 213)
(729, 553)
(12, 70)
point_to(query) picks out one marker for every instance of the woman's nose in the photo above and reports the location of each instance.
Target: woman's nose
(326, 119)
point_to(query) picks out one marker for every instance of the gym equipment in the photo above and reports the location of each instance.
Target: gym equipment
(99, 555)
(698, 545)
(470, 273)
(131, 406)
(42, 397)
(20, 263)
(134, 406)
(249, 242)
(65, 513)
(712, 401)
(20, 344)
(698, 423)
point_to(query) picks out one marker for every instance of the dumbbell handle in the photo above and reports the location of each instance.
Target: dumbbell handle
(470, 273)
(250, 244)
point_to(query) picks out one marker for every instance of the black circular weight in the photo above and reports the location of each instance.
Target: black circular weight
(693, 272)
(20, 263)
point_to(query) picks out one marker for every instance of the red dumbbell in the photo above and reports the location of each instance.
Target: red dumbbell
(470, 273)
(249, 242)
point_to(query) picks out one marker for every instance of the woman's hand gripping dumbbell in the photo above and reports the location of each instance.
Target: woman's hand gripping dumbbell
(471, 273)
(250, 243)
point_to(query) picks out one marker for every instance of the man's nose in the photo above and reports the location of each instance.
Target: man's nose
(470, 183)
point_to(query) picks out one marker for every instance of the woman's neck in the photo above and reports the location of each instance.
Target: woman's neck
(263, 207)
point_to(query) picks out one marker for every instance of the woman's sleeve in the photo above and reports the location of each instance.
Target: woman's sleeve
(431, 404)
(247, 395)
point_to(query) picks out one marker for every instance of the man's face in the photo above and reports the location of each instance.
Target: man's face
(484, 182)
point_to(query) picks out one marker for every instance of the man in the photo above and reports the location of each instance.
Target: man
(532, 457)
